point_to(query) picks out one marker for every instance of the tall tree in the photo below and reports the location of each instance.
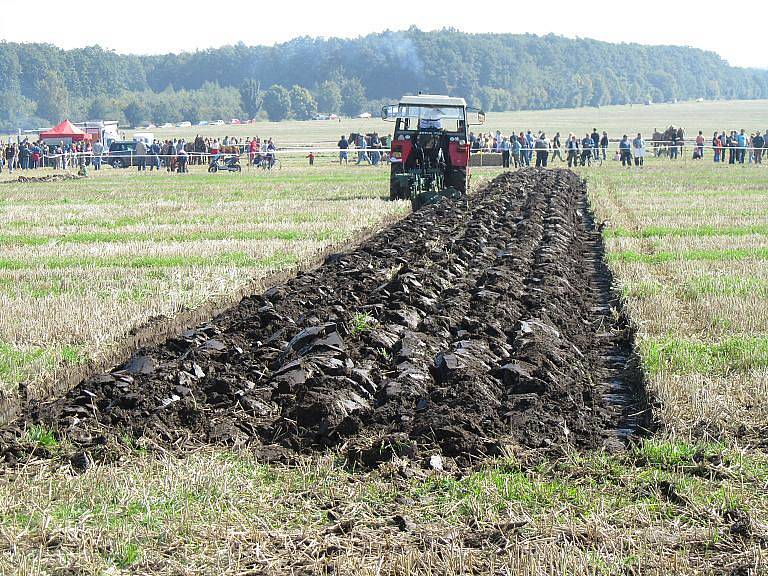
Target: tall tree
(52, 98)
(303, 103)
(329, 97)
(353, 97)
(136, 112)
(250, 96)
(277, 103)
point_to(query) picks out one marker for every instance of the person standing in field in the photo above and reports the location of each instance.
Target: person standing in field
(638, 145)
(523, 150)
(595, 142)
(572, 147)
(626, 152)
(141, 156)
(604, 144)
(698, 153)
(251, 151)
(529, 141)
(182, 158)
(741, 146)
(505, 149)
(758, 143)
(586, 150)
(362, 145)
(516, 149)
(556, 148)
(542, 151)
(96, 152)
(343, 146)
(716, 148)
(10, 157)
(375, 149)
(765, 143)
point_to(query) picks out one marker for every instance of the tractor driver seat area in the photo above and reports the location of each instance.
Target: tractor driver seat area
(427, 149)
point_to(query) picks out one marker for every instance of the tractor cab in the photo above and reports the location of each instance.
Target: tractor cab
(430, 148)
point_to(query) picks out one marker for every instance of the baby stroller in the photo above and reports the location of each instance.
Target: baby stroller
(230, 163)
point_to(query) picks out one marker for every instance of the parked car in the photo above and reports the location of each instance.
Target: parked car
(218, 123)
(234, 121)
(203, 123)
(167, 125)
(183, 124)
(121, 154)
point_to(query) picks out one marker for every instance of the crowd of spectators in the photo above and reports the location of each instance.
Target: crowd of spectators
(737, 147)
(30, 155)
(516, 149)
(369, 147)
(524, 148)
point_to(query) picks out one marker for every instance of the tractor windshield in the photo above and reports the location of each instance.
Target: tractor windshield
(449, 119)
(430, 112)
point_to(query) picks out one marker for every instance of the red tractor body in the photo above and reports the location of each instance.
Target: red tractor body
(430, 148)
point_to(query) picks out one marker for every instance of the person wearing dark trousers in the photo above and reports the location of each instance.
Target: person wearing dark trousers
(586, 150)
(758, 143)
(516, 150)
(732, 148)
(505, 153)
(572, 146)
(556, 148)
(741, 141)
(595, 142)
(542, 151)
(604, 143)
(625, 149)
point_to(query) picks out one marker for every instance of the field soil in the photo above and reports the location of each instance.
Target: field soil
(461, 329)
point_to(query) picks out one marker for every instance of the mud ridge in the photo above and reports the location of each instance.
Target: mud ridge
(462, 328)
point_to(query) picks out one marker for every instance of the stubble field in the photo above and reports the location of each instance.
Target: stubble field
(86, 261)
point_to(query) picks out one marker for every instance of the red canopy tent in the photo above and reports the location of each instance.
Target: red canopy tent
(65, 131)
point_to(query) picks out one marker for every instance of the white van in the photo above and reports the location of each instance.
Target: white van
(146, 137)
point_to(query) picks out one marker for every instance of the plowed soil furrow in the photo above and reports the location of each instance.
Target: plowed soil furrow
(457, 330)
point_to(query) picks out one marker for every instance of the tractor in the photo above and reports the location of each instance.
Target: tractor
(429, 154)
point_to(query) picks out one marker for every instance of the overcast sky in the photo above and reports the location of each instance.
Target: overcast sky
(738, 31)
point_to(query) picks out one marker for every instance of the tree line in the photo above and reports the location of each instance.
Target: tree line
(40, 83)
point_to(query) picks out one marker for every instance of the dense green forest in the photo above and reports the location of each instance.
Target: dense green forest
(40, 83)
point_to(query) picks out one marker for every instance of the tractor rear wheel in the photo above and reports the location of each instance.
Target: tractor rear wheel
(457, 178)
(395, 192)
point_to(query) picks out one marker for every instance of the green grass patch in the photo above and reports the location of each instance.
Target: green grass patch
(724, 285)
(679, 231)
(361, 322)
(160, 237)
(711, 255)
(697, 287)
(13, 360)
(234, 259)
(42, 436)
(125, 555)
(679, 355)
